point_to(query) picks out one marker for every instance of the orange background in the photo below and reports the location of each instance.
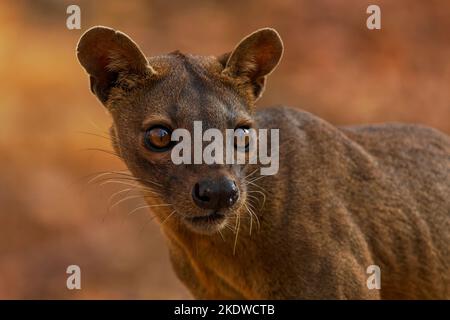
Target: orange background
(50, 218)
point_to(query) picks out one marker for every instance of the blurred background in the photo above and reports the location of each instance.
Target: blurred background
(50, 217)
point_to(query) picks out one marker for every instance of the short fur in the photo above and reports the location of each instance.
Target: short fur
(344, 198)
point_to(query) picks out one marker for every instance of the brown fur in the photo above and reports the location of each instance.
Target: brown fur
(344, 198)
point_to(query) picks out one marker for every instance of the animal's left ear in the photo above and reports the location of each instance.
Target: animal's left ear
(255, 57)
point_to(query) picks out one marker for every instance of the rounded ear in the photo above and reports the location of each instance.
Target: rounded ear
(255, 57)
(105, 53)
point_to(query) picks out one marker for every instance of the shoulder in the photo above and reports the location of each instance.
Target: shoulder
(282, 116)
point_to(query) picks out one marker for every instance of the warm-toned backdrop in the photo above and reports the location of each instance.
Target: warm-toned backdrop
(50, 218)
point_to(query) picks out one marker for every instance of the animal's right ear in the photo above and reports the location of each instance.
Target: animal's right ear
(105, 53)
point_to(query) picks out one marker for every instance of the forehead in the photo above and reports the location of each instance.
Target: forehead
(190, 88)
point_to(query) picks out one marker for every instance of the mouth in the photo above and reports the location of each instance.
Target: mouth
(208, 221)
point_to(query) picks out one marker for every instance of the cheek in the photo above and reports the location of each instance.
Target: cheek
(115, 141)
(180, 182)
(173, 182)
(149, 174)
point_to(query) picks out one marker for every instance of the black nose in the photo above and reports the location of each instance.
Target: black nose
(215, 194)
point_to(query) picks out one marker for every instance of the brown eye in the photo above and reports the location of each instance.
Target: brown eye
(242, 138)
(158, 139)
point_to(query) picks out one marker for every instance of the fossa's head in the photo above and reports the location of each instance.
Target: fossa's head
(149, 98)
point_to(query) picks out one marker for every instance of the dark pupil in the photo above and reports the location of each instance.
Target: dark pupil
(244, 132)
